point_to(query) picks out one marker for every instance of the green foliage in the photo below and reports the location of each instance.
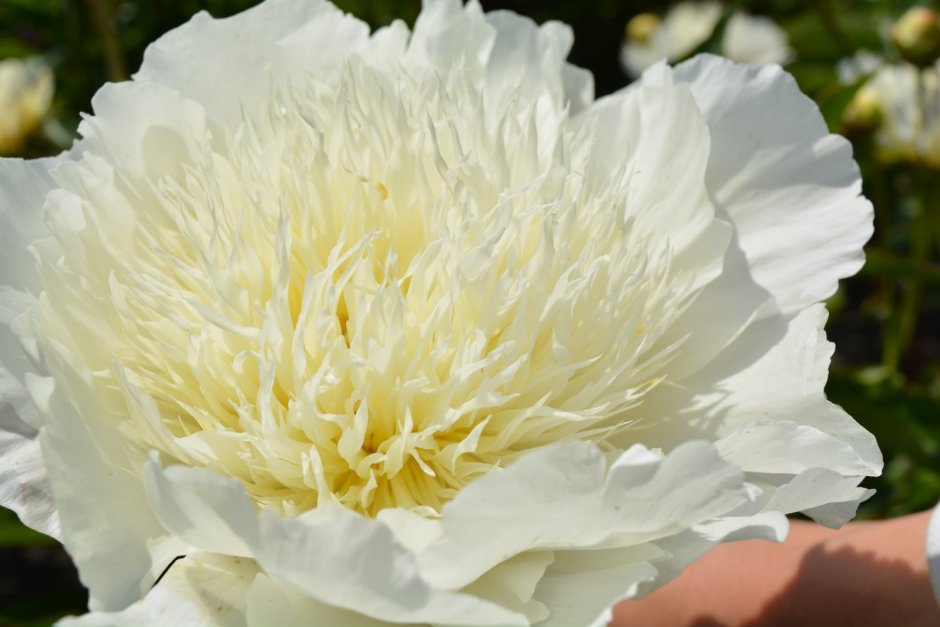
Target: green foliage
(886, 371)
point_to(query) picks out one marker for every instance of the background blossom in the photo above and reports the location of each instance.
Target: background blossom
(25, 94)
(686, 26)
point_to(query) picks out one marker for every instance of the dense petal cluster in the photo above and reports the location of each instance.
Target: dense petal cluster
(407, 328)
(745, 39)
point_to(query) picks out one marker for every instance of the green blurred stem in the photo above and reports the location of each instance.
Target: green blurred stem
(828, 13)
(912, 288)
(881, 264)
(101, 20)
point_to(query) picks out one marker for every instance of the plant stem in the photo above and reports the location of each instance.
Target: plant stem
(101, 20)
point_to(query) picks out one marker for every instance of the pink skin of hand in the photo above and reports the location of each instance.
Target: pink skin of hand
(865, 574)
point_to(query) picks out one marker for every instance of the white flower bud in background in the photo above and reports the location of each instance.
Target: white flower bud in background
(25, 95)
(917, 35)
(642, 27)
(863, 112)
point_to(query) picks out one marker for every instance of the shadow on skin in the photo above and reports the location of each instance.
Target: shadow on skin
(866, 574)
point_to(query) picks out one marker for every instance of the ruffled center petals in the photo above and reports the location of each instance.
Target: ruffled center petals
(381, 290)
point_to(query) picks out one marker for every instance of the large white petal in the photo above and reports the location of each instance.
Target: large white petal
(580, 586)
(352, 562)
(332, 555)
(108, 527)
(24, 483)
(270, 603)
(147, 131)
(790, 188)
(244, 57)
(201, 589)
(531, 58)
(445, 32)
(565, 497)
(655, 131)
(23, 187)
(205, 510)
(763, 402)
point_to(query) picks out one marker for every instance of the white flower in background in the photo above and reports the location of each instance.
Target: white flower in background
(907, 101)
(405, 328)
(860, 65)
(25, 95)
(687, 25)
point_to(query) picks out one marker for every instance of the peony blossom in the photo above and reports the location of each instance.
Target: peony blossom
(687, 25)
(323, 327)
(25, 95)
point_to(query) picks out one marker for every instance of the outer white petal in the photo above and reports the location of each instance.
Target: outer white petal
(332, 555)
(201, 589)
(24, 483)
(146, 130)
(270, 603)
(763, 402)
(564, 497)
(580, 586)
(445, 32)
(241, 58)
(205, 510)
(532, 58)
(108, 527)
(23, 186)
(352, 562)
(790, 188)
(509, 51)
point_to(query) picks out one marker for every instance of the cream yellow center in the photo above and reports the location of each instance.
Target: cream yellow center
(376, 294)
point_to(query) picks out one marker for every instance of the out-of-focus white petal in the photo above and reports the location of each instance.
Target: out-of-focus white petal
(685, 27)
(300, 39)
(200, 589)
(790, 188)
(756, 40)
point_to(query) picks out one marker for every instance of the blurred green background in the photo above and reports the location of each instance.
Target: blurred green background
(886, 370)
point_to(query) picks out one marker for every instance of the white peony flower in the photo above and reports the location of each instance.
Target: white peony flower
(907, 100)
(406, 328)
(687, 25)
(25, 95)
